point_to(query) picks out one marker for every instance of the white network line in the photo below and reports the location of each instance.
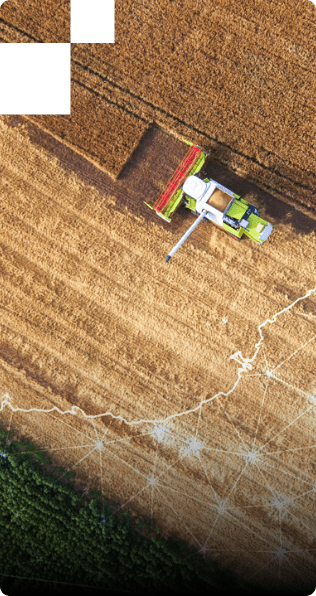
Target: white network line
(222, 507)
(245, 366)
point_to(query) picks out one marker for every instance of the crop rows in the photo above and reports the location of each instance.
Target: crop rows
(221, 77)
(100, 130)
(238, 79)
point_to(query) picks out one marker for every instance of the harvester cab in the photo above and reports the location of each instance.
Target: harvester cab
(209, 201)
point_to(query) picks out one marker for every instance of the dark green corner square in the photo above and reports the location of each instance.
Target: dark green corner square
(35, 78)
(92, 21)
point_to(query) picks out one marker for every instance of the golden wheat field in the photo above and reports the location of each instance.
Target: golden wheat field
(239, 79)
(185, 392)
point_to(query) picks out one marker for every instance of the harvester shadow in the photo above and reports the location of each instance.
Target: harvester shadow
(141, 180)
(154, 161)
(148, 170)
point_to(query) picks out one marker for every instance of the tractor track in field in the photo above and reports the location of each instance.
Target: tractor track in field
(98, 94)
(288, 180)
(29, 38)
(192, 131)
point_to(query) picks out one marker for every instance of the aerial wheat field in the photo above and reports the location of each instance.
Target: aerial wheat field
(185, 392)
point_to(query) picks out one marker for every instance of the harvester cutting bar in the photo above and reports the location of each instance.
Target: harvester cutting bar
(178, 178)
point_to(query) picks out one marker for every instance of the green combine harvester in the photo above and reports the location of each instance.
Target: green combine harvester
(209, 201)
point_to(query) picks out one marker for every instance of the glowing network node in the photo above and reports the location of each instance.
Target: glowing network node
(204, 549)
(281, 503)
(221, 508)
(194, 445)
(252, 457)
(159, 432)
(280, 552)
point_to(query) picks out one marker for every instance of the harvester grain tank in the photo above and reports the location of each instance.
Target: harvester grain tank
(209, 201)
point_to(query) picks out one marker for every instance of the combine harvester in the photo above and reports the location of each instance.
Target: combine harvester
(209, 201)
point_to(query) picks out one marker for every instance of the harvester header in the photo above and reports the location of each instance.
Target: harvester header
(171, 196)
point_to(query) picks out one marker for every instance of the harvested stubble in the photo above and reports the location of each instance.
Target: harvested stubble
(91, 316)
